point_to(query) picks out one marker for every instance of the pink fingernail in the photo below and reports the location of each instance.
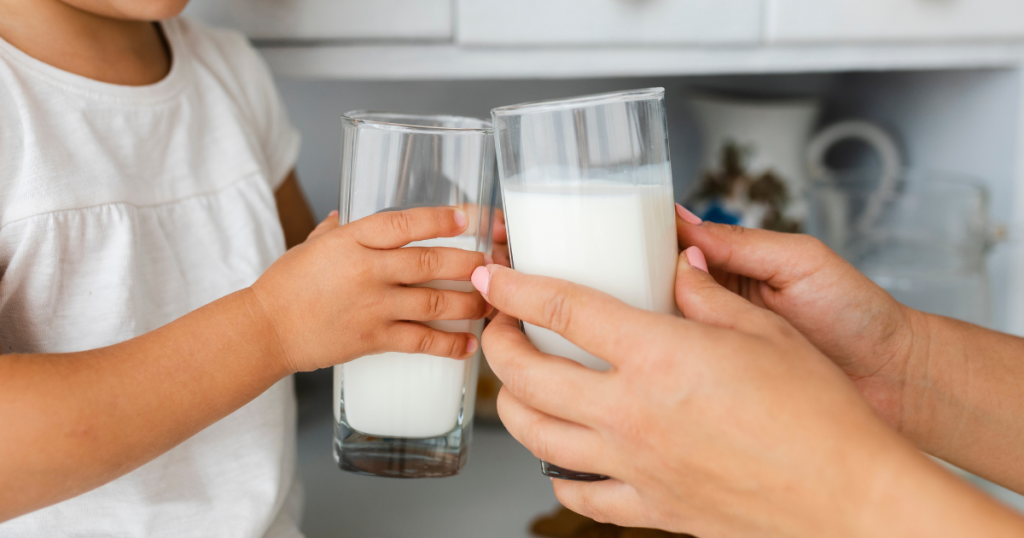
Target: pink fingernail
(688, 216)
(333, 213)
(481, 280)
(460, 218)
(471, 345)
(488, 260)
(696, 258)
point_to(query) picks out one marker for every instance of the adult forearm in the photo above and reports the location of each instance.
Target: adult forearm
(913, 497)
(72, 422)
(963, 398)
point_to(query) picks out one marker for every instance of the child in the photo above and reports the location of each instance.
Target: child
(139, 166)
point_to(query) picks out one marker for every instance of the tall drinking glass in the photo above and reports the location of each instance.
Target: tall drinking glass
(410, 415)
(587, 184)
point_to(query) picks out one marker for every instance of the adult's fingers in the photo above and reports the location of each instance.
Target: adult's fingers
(393, 229)
(416, 265)
(411, 337)
(772, 257)
(326, 225)
(610, 501)
(594, 321)
(428, 304)
(565, 444)
(700, 298)
(551, 384)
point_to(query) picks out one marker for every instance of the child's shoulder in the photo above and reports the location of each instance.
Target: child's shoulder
(229, 61)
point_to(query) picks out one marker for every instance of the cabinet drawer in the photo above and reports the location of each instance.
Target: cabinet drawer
(570, 22)
(330, 19)
(795, 21)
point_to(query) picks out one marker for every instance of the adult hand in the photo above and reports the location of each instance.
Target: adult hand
(345, 293)
(736, 426)
(950, 387)
(852, 320)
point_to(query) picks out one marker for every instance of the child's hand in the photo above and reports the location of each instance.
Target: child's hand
(342, 294)
(842, 312)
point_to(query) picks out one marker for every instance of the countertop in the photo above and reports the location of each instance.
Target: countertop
(497, 494)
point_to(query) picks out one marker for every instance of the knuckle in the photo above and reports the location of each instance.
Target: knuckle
(427, 342)
(487, 340)
(517, 380)
(436, 303)
(457, 347)
(807, 242)
(399, 222)
(430, 261)
(624, 424)
(732, 229)
(557, 312)
(537, 440)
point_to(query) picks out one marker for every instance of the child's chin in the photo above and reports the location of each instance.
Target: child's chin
(148, 10)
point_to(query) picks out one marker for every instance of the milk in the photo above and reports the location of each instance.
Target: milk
(612, 236)
(410, 395)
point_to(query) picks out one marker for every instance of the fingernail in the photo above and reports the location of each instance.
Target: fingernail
(333, 213)
(688, 216)
(471, 345)
(488, 260)
(696, 258)
(460, 218)
(481, 280)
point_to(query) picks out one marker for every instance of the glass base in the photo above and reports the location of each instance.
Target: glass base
(391, 457)
(555, 471)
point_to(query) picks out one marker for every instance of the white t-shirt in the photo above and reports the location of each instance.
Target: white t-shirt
(123, 208)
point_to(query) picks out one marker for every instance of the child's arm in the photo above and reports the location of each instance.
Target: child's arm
(72, 422)
(296, 218)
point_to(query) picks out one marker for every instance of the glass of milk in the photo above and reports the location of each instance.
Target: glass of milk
(411, 415)
(587, 187)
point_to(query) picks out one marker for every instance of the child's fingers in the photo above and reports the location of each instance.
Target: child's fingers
(394, 229)
(428, 304)
(326, 225)
(411, 337)
(416, 265)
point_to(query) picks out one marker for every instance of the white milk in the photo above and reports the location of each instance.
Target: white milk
(410, 395)
(615, 237)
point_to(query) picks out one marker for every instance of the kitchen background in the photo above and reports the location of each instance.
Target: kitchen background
(942, 77)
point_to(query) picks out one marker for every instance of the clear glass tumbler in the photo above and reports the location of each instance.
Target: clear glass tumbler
(587, 185)
(925, 239)
(409, 415)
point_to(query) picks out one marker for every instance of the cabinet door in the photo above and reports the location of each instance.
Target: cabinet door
(330, 19)
(572, 22)
(796, 21)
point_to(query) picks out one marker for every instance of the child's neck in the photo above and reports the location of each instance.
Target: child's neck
(131, 53)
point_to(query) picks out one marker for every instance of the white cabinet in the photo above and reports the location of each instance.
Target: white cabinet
(331, 19)
(796, 21)
(571, 22)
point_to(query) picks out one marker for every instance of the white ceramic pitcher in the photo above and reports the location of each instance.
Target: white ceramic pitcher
(759, 155)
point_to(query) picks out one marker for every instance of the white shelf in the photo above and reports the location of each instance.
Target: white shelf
(452, 62)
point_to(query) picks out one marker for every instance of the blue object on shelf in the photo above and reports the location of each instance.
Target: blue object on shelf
(715, 213)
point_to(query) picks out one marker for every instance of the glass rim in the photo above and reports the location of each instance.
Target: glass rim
(581, 101)
(373, 118)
